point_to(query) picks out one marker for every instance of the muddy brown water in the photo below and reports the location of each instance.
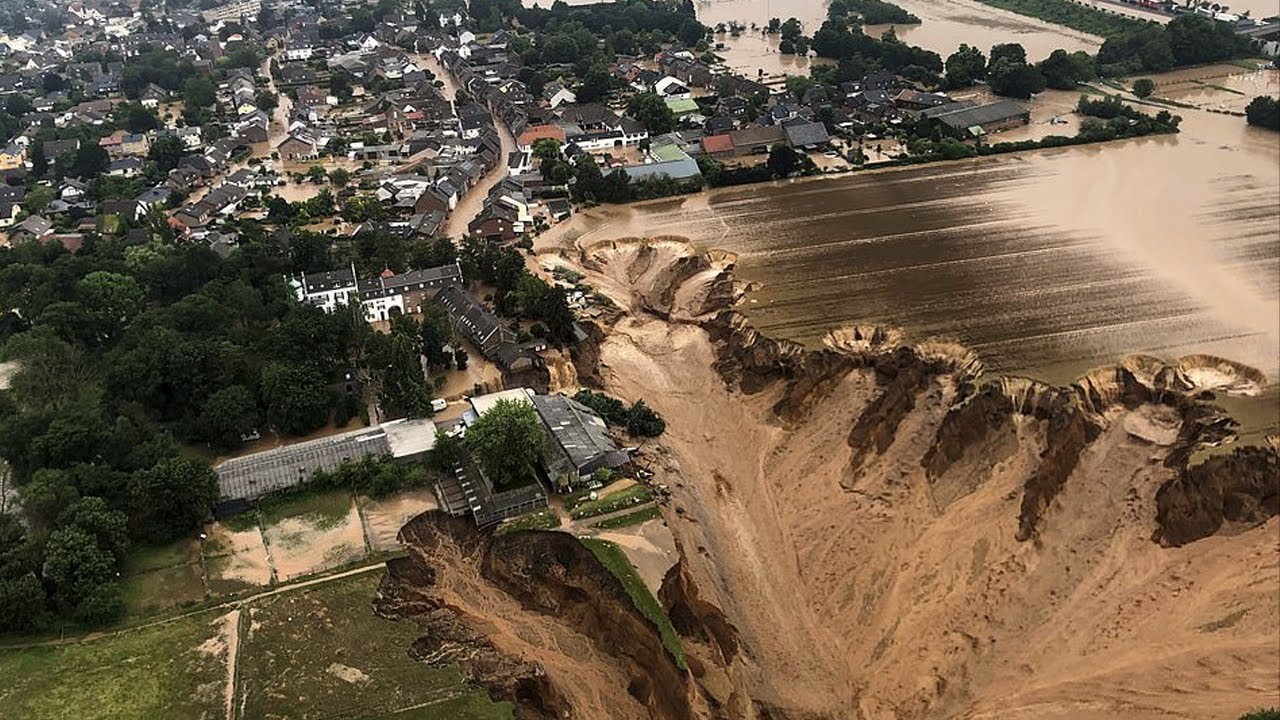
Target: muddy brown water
(1046, 263)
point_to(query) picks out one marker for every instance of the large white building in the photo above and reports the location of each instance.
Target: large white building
(380, 298)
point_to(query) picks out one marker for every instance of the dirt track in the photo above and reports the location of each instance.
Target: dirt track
(883, 592)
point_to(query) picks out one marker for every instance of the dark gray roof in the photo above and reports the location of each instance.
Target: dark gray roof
(579, 432)
(982, 114)
(262, 473)
(803, 133)
(473, 318)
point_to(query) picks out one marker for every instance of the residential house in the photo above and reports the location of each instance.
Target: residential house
(298, 147)
(557, 94)
(13, 157)
(474, 321)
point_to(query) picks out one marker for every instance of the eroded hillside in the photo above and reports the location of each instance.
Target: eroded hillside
(868, 532)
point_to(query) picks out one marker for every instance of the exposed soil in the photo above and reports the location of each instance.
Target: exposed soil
(886, 537)
(300, 547)
(384, 518)
(536, 620)
(237, 557)
(866, 532)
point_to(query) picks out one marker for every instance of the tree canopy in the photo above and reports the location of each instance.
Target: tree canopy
(507, 442)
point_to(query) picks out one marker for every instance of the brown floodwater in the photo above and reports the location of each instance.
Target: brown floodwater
(1046, 263)
(946, 24)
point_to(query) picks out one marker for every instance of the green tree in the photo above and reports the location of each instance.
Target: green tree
(199, 93)
(784, 162)
(91, 160)
(137, 119)
(507, 442)
(339, 177)
(266, 100)
(107, 527)
(396, 361)
(37, 199)
(1144, 87)
(1263, 111)
(436, 334)
(642, 421)
(1013, 52)
(296, 398)
(172, 498)
(1012, 79)
(545, 149)
(652, 112)
(76, 569)
(1063, 70)
(166, 152)
(228, 415)
(965, 66)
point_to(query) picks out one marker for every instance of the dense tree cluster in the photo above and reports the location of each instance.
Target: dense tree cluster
(872, 12)
(519, 293)
(126, 352)
(1263, 111)
(639, 420)
(1186, 40)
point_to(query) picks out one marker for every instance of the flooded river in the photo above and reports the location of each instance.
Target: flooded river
(1046, 263)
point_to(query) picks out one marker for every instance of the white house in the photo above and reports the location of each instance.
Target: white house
(557, 95)
(670, 87)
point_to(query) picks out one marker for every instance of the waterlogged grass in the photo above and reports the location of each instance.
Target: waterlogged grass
(158, 673)
(325, 510)
(613, 502)
(540, 520)
(650, 513)
(612, 557)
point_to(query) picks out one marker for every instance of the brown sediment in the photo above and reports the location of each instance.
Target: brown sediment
(888, 575)
(535, 619)
(867, 533)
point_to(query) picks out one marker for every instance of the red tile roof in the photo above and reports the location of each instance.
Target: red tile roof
(717, 143)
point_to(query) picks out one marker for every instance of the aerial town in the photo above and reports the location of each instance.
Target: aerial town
(714, 359)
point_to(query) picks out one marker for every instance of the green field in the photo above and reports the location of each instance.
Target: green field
(650, 513)
(540, 520)
(1076, 17)
(612, 557)
(324, 509)
(157, 673)
(614, 502)
(317, 652)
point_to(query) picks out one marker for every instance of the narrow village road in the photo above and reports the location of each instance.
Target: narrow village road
(473, 201)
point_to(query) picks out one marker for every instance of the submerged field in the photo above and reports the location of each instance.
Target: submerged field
(316, 652)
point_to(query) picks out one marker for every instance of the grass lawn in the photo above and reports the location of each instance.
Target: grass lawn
(612, 557)
(159, 578)
(157, 673)
(324, 509)
(650, 513)
(322, 653)
(540, 520)
(611, 503)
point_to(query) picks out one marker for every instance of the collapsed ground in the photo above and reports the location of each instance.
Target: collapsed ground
(864, 533)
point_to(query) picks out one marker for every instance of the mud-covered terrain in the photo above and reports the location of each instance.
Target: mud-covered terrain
(868, 532)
